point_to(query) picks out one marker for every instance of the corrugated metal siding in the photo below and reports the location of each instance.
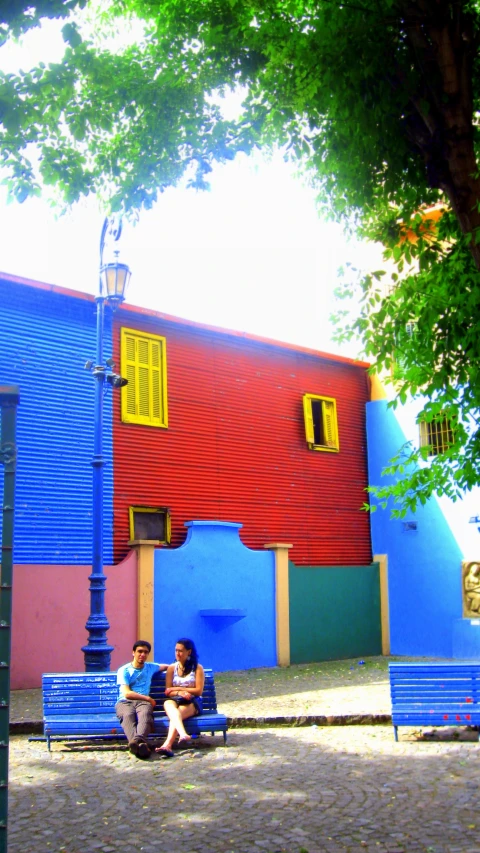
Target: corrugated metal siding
(235, 447)
(45, 339)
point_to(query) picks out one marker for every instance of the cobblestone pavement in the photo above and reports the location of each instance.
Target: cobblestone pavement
(315, 789)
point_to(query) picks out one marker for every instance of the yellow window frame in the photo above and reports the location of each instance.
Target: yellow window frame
(132, 510)
(328, 409)
(144, 363)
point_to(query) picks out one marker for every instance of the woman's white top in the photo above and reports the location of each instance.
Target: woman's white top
(183, 680)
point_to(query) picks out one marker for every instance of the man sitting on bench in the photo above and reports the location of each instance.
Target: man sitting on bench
(135, 707)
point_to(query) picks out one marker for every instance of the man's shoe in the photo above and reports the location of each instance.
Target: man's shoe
(134, 744)
(143, 750)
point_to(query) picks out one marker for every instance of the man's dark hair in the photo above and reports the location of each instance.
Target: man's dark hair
(142, 643)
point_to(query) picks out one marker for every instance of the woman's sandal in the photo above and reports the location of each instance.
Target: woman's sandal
(165, 752)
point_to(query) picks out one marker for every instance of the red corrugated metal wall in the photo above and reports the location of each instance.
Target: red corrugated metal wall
(235, 446)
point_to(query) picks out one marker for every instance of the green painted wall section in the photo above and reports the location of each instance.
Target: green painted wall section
(334, 612)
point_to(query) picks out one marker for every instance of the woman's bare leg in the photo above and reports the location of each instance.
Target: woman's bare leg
(176, 715)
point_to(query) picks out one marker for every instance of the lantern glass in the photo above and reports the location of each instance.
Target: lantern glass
(115, 278)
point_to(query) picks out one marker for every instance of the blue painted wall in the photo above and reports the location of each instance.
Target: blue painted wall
(424, 575)
(45, 340)
(213, 570)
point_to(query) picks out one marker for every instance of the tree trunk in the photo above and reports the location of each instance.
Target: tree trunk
(441, 39)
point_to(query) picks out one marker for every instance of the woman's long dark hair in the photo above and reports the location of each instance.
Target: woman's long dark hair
(191, 663)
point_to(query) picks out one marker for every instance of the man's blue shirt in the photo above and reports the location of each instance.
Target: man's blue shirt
(138, 680)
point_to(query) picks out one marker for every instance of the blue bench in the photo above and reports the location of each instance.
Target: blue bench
(435, 694)
(81, 705)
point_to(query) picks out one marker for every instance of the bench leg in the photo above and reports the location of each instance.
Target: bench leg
(395, 732)
(48, 742)
(225, 738)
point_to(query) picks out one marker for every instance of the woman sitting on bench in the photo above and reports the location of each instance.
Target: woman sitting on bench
(185, 679)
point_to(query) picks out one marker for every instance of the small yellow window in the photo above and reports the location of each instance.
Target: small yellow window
(321, 429)
(144, 364)
(149, 522)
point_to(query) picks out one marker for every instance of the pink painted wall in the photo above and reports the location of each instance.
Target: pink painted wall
(50, 607)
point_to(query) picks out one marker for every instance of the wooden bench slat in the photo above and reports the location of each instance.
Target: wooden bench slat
(442, 696)
(66, 701)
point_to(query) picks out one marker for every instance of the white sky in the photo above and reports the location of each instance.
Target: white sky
(251, 254)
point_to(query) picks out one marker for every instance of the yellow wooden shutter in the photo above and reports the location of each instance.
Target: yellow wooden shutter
(156, 373)
(143, 379)
(308, 418)
(129, 392)
(330, 430)
(144, 399)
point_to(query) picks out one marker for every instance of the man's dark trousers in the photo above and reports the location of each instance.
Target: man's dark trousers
(136, 717)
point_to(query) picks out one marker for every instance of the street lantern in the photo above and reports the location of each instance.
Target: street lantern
(114, 278)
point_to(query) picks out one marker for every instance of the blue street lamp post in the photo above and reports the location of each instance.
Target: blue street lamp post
(114, 278)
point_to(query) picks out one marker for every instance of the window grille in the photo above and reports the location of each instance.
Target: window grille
(437, 435)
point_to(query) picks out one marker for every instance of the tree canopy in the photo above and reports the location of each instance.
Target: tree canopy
(377, 101)
(421, 331)
(19, 16)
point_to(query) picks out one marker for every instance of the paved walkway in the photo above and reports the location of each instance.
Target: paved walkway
(321, 790)
(308, 789)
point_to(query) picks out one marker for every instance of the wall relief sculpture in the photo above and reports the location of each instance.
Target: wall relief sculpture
(471, 589)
